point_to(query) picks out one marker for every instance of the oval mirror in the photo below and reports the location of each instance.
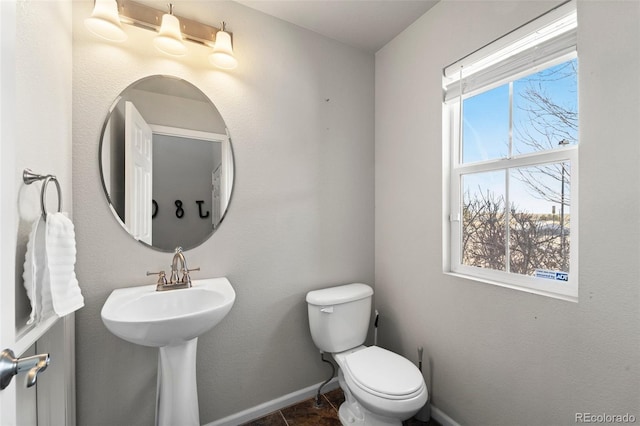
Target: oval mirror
(166, 163)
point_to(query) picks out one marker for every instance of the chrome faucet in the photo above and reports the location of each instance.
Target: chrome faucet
(179, 256)
(175, 282)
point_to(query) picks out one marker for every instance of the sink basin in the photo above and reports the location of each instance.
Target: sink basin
(171, 320)
(148, 317)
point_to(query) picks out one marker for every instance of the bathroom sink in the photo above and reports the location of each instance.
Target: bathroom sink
(171, 320)
(148, 317)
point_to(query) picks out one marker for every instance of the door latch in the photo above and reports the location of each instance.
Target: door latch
(11, 366)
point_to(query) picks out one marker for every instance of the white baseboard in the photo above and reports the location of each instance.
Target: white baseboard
(268, 407)
(274, 405)
(442, 417)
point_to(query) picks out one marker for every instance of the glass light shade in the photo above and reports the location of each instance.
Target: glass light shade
(105, 22)
(222, 56)
(169, 39)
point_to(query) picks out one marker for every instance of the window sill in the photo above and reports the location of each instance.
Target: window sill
(514, 287)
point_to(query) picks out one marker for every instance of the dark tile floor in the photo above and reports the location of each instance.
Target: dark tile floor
(306, 413)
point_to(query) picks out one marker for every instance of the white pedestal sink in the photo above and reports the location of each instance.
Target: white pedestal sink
(172, 321)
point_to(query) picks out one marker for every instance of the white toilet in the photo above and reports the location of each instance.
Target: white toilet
(381, 388)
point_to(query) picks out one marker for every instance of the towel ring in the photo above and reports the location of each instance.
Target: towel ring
(29, 177)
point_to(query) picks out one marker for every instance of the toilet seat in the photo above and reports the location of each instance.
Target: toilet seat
(384, 374)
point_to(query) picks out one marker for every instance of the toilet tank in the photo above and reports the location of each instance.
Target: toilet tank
(339, 316)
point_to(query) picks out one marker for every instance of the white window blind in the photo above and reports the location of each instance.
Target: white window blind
(535, 45)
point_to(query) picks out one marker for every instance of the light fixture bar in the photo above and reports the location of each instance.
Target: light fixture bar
(147, 17)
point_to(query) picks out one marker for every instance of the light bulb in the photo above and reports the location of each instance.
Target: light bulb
(222, 55)
(105, 22)
(169, 39)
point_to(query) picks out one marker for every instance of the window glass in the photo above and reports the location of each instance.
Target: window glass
(544, 118)
(539, 219)
(486, 125)
(484, 220)
(545, 109)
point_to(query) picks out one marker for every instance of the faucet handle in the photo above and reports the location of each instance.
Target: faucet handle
(162, 277)
(185, 275)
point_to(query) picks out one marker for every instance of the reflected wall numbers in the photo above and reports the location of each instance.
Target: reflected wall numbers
(180, 210)
(166, 163)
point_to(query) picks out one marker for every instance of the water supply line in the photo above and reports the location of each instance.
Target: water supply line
(333, 372)
(375, 328)
(425, 412)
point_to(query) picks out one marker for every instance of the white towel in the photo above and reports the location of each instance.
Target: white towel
(49, 275)
(34, 264)
(61, 259)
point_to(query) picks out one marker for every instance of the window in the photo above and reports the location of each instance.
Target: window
(511, 128)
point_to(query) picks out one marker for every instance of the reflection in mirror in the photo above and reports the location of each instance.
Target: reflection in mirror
(167, 163)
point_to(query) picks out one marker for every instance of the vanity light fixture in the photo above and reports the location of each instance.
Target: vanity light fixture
(105, 22)
(222, 55)
(172, 30)
(169, 38)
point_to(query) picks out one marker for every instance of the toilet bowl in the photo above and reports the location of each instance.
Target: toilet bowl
(386, 388)
(381, 388)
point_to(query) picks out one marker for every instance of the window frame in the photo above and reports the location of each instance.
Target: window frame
(453, 197)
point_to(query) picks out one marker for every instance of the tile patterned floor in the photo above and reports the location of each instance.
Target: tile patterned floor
(306, 413)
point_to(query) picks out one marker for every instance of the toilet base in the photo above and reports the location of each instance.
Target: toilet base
(347, 418)
(352, 413)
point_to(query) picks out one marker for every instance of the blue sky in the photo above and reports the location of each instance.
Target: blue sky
(486, 131)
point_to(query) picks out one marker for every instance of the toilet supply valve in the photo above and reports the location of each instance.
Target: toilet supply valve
(425, 412)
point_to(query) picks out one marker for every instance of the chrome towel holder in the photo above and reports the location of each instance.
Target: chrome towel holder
(29, 177)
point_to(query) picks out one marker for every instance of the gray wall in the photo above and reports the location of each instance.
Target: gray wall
(42, 126)
(300, 111)
(43, 123)
(500, 356)
(182, 171)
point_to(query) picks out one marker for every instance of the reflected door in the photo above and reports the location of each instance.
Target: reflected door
(138, 174)
(215, 195)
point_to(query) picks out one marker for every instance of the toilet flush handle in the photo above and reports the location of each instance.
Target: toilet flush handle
(327, 309)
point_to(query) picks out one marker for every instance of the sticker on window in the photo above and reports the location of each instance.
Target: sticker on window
(551, 275)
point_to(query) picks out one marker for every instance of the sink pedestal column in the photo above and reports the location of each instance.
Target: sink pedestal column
(177, 394)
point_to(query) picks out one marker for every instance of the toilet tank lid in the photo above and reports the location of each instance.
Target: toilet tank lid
(340, 294)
